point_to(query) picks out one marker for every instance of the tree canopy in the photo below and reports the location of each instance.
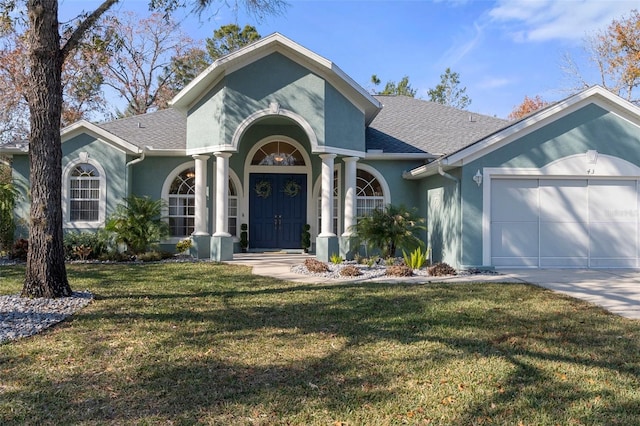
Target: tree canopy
(401, 88)
(527, 106)
(615, 54)
(448, 91)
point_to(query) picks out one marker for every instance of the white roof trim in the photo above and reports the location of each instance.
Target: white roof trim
(594, 95)
(275, 42)
(84, 126)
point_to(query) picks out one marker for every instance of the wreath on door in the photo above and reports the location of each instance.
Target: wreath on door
(292, 188)
(263, 189)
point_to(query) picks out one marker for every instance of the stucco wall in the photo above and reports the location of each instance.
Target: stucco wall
(275, 78)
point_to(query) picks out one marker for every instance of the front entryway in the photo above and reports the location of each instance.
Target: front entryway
(277, 210)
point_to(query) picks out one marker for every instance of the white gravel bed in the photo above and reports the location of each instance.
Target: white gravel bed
(368, 272)
(23, 317)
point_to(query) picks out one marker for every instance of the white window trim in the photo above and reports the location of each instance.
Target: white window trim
(66, 200)
(166, 187)
(386, 192)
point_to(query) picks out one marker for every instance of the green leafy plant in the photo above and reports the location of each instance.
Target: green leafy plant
(244, 237)
(370, 261)
(183, 245)
(336, 259)
(138, 223)
(389, 229)
(87, 240)
(390, 261)
(305, 237)
(416, 259)
(8, 196)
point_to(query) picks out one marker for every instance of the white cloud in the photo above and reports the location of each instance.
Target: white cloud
(545, 20)
(494, 83)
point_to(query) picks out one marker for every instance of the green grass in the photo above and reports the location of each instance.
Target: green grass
(212, 344)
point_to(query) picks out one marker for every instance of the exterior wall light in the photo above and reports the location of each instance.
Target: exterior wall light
(477, 178)
(592, 156)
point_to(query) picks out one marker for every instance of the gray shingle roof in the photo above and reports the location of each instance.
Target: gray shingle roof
(408, 125)
(405, 125)
(164, 129)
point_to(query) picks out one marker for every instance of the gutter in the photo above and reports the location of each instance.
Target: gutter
(446, 175)
(131, 163)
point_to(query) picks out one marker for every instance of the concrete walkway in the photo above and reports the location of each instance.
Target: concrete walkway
(616, 290)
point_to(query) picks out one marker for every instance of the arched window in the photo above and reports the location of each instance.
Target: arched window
(277, 153)
(369, 193)
(233, 209)
(84, 193)
(182, 203)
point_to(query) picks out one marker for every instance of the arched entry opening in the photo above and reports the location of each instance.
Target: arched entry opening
(278, 172)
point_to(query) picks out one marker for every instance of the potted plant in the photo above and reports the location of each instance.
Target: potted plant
(244, 237)
(305, 240)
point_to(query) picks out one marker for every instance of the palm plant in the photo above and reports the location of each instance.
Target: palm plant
(138, 223)
(390, 228)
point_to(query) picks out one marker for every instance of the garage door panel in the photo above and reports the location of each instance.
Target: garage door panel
(612, 201)
(613, 240)
(561, 239)
(563, 200)
(515, 239)
(514, 200)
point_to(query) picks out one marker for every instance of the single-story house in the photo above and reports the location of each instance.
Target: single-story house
(275, 136)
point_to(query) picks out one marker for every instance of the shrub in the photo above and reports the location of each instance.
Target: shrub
(137, 223)
(390, 261)
(183, 245)
(399, 271)
(20, 249)
(336, 259)
(441, 269)
(359, 259)
(9, 194)
(389, 228)
(350, 271)
(372, 261)
(315, 266)
(416, 259)
(305, 237)
(83, 245)
(154, 256)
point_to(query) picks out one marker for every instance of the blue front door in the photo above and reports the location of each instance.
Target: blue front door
(278, 210)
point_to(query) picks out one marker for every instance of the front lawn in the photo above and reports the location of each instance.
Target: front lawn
(213, 344)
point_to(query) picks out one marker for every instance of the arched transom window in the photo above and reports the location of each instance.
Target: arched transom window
(277, 153)
(369, 193)
(84, 193)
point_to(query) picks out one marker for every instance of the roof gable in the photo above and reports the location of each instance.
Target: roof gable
(276, 43)
(596, 95)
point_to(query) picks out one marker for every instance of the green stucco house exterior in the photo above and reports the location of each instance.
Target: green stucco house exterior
(275, 137)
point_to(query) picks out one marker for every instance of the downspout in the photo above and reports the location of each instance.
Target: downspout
(459, 188)
(131, 163)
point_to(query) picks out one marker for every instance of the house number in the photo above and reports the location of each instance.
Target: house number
(591, 171)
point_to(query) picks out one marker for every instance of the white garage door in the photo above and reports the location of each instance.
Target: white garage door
(582, 223)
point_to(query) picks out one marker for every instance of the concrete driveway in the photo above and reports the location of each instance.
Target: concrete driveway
(616, 290)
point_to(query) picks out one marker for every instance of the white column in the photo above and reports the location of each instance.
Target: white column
(349, 194)
(222, 193)
(200, 220)
(327, 195)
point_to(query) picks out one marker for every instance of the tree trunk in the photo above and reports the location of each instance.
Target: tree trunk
(46, 275)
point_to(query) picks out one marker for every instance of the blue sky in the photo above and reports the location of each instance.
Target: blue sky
(503, 49)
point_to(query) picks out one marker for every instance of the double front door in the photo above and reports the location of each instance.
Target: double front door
(278, 210)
